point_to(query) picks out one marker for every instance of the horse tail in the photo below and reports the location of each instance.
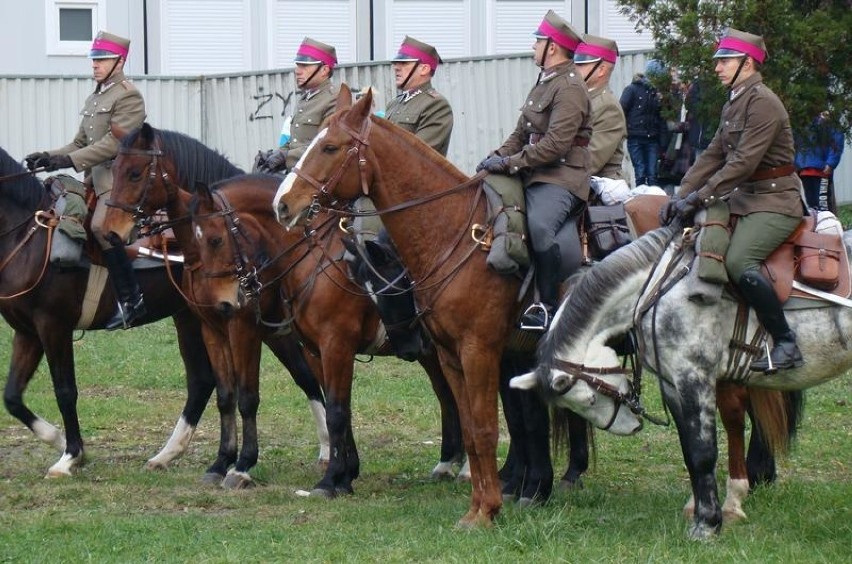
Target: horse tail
(777, 414)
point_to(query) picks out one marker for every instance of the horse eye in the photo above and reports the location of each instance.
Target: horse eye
(215, 242)
(329, 149)
(135, 175)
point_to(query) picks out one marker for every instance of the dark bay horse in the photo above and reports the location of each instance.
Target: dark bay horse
(333, 315)
(692, 347)
(149, 171)
(428, 206)
(44, 304)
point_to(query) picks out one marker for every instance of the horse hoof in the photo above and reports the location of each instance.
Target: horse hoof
(237, 481)
(322, 493)
(702, 532)
(569, 486)
(57, 473)
(730, 516)
(212, 478)
(155, 465)
(475, 521)
(529, 502)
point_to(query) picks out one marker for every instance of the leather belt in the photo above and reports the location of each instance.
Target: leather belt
(578, 140)
(769, 173)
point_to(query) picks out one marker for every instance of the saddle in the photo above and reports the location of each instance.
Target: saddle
(78, 201)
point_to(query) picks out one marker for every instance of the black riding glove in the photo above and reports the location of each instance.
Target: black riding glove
(683, 209)
(55, 162)
(495, 164)
(37, 159)
(276, 161)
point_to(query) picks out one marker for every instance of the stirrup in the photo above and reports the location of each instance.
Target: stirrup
(127, 314)
(536, 318)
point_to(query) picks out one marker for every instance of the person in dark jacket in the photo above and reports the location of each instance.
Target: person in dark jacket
(645, 125)
(818, 151)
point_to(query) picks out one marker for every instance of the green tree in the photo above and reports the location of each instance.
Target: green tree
(809, 44)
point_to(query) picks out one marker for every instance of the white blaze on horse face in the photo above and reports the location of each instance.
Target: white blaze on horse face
(290, 179)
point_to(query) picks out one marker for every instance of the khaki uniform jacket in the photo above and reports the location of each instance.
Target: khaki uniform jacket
(93, 149)
(606, 148)
(312, 108)
(556, 112)
(754, 134)
(426, 114)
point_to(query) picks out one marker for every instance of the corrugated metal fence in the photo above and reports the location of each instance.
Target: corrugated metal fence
(240, 114)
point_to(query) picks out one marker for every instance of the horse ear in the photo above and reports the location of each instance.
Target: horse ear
(527, 381)
(147, 134)
(202, 190)
(364, 105)
(344, 97)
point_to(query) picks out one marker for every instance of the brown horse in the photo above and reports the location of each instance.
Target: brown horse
(149, 172)
(334, 316)
(44, 304)
(428, 206)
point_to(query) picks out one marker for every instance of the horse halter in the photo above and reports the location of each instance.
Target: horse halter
(631, 398)
(246, 276)
(155, 169)
(356, 149)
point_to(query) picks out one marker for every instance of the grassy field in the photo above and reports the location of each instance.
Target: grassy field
(131, 391)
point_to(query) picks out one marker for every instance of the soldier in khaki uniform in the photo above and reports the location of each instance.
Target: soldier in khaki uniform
(317, 99)
(595, 58)
(750, 163)
(419, 108)
(115, 101)
(549, 149)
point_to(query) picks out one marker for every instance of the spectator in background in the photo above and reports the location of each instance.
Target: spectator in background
(818, 151)
(646, 129)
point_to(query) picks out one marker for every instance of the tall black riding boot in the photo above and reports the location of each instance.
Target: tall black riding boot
(131, 305)
(537, 317)
(760, 295)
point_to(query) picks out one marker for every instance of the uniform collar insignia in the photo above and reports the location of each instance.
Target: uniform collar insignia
(409, 94)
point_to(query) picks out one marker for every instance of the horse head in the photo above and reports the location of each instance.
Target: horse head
(334, 167)
(141, 182)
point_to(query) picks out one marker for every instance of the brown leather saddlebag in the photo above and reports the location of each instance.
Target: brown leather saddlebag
(818, 259)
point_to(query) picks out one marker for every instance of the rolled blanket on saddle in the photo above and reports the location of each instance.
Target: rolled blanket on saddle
(70, 235)
(709, 276)
(507, 250)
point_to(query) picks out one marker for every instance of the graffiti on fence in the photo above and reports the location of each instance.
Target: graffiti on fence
(267, 103)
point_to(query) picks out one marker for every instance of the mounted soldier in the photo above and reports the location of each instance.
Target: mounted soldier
(419, 108)
(749, 163)
(549, 150)
(115, 102)
(316, 100)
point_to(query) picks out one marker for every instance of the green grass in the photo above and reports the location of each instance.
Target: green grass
(131, 391)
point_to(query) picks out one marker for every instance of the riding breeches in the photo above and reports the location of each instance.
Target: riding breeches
(755, 237)
(553, 214)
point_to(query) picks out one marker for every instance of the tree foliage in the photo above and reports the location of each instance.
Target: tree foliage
(809, 44)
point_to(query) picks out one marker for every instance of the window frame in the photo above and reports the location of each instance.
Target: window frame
(56, 46)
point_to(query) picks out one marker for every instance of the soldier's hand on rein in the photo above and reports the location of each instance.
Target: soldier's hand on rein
(495, 164)
(55, 162)
(687, 207)
(36, 160)
(669, 211)
(276, 161)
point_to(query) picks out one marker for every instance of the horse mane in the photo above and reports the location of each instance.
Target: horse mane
(416, 146)
(597, 285)
(193, 161)
(27, 191)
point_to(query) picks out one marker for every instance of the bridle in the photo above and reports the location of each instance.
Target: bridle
(356, 150)
(155, 170)
(591, 376)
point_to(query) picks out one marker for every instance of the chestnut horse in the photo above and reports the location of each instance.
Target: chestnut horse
(148, 173)
(428, 206)
(470, 309)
